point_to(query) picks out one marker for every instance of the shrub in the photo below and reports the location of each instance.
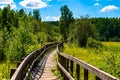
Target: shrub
(93, 43)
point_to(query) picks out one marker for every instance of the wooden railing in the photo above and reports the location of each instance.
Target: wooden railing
(69, 65)
(24, 68)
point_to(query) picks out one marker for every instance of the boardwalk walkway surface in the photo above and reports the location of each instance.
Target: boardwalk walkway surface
(50, 64)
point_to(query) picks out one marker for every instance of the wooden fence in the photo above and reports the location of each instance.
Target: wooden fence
(22, 72)
(69, 65)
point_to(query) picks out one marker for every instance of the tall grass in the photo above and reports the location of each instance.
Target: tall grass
(7, 65)
(5, 70)
(106, 58)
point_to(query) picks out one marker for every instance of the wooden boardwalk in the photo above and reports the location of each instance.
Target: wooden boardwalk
(50, 64)
(38, 65)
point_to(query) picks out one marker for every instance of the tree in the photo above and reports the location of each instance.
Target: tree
(5, 16)
(36, 15)
(83, 29)
(21, 12)
(65, 21)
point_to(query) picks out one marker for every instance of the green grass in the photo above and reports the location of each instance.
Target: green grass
(107, 57)
(5, 68)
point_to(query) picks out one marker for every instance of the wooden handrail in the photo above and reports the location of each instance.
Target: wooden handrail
(65, 72)
(100, 75)
(22, 69)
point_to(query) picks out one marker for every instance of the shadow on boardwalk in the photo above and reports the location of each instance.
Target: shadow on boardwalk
(50, 64)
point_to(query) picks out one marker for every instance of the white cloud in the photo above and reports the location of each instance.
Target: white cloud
(6, 1)
(52, 18)
(34, 4)
(2, 6)
(96, 4)
(13, 6)
(97, 0)
(108, 8)
(47, 0)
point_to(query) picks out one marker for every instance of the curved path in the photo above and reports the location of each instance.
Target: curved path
(50, 64)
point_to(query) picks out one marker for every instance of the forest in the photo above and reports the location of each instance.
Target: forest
(22, 32)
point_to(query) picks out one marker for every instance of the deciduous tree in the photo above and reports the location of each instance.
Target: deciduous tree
(65, 21)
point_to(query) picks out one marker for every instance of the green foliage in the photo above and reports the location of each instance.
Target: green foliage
(93, 43)
(2, 55)
(65, 20)
(36, 15)
(5, 69)
(21, 12)
(20, 34)
(81, 30)
(109, 28)
(106, 58)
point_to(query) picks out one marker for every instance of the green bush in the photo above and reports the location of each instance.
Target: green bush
(93, 43)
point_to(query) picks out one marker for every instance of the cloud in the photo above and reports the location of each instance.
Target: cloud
(47, 0)
(2, 6)
(52, 18)
(13, 6)
(4, 3)
(108, 8)
(96, 4)
(33, 4)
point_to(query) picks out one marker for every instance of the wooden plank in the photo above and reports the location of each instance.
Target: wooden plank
(18, 75)
(65, 72)
(101, 74)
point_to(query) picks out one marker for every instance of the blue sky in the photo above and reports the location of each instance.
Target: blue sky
(50, 9)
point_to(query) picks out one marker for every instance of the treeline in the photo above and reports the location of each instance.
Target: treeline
(84, 29)
(108, 28)
(21, 33)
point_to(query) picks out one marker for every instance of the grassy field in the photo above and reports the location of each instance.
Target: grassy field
(106, 58)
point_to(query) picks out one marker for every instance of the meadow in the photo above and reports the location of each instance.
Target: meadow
(106, 58)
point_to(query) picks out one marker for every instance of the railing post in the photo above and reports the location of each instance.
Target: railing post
(67, 64)
(77, 72)
(65, 61)
(60, 46)
(97, 78)
(12, 72)
(85, 74)
(71, 67)
(18, 63)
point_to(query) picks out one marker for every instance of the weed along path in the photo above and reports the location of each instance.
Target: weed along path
(50, 64)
